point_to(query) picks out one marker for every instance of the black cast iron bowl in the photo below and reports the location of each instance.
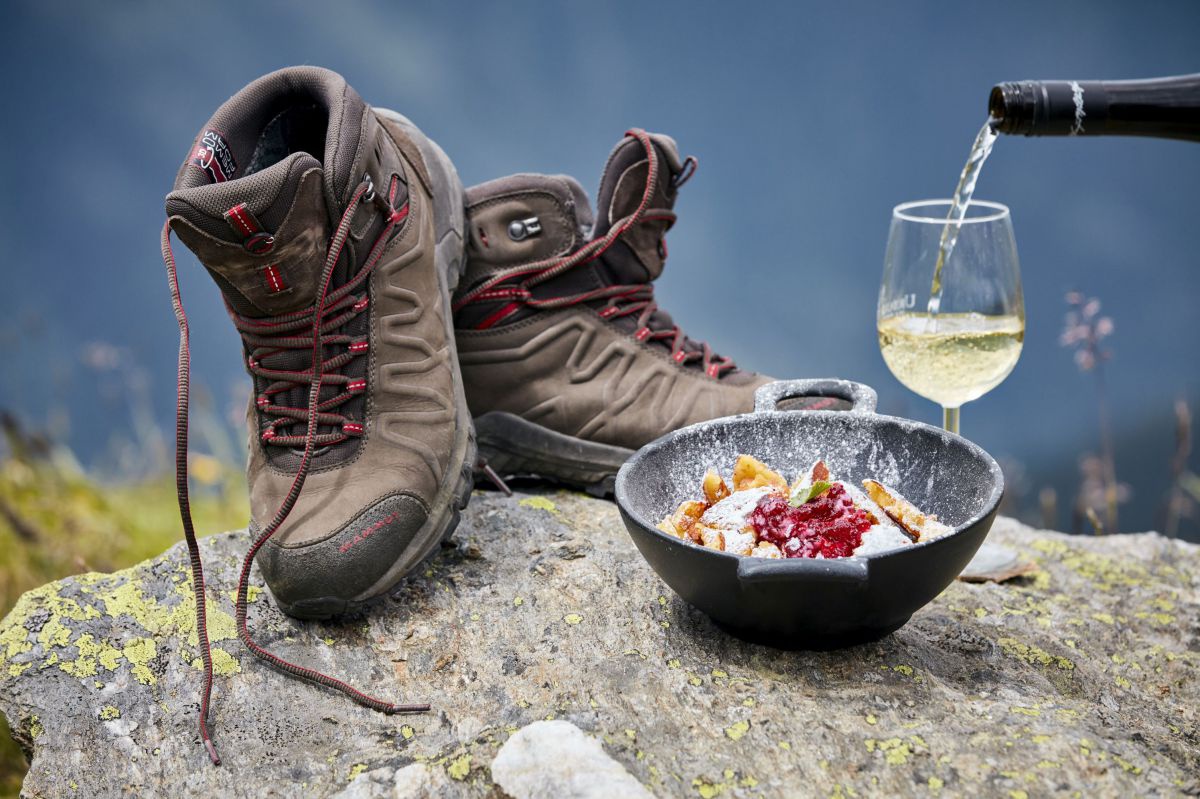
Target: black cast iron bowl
(802, 603)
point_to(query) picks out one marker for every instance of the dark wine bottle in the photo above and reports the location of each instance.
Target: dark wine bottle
(1165, 108)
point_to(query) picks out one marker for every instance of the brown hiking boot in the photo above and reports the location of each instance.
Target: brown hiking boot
(334, 231)
(568, 363)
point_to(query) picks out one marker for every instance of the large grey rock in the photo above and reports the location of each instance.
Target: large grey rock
(1080, 678)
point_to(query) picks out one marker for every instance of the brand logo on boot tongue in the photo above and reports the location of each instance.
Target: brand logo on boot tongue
(213, 156)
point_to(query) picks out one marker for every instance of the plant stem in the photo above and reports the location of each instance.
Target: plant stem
(1108, 457)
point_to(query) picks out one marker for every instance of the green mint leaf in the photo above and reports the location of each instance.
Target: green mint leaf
(802, 495)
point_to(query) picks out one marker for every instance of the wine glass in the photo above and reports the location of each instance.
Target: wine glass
(953, 339)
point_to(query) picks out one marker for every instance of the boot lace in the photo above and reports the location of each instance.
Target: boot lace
(311, 329)
(515, 284)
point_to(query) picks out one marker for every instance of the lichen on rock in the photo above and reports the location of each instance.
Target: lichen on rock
(1081, 676)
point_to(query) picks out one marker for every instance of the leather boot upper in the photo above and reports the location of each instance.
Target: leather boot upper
(572, 352)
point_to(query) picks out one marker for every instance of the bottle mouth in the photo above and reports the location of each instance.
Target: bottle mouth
(997, 106)
(1004, 106)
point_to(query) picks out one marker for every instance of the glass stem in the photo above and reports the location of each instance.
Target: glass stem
(950, 419)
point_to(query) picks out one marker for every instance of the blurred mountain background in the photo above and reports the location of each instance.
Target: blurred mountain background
(810, 121)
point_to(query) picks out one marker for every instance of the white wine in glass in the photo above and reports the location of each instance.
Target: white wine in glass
(974, 340)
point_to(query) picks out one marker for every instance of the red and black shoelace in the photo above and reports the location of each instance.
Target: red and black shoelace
(264, 336)
(515, 284)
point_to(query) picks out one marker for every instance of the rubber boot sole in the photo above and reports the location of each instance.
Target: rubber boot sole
(516, 447)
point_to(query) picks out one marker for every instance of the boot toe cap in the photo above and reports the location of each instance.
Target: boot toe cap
(331, 575)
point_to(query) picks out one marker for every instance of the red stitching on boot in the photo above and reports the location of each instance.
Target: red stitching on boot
(274, 278)
(242, 219)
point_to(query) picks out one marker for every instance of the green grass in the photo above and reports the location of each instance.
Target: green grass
(56, 521)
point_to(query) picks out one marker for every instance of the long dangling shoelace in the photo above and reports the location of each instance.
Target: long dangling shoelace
(623, 299)
(313, 416)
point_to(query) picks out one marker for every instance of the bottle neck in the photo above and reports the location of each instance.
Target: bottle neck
(1166, 108)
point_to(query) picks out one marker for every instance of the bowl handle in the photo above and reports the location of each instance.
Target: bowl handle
(756, 571)
(862, 398)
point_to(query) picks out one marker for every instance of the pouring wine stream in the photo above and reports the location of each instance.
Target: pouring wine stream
(980, 151)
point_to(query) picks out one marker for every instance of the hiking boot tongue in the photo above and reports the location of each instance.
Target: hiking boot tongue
(262, 238)
(639, 256)
(283, 150)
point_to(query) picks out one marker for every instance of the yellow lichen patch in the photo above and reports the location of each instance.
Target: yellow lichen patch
(355, 770)
(719, 673)
(694, 680)
(539, 503)
(871, 719)
(460, 766)
(904, 669)
(1105, 618)
(1106, 572)
(407, 732)
(1034, 655)
(109, 712)
(895, 751)
(707, 789)
(518, 601)
(253, 592)
(224, 664)
(14, 638)
(35, 727)
(936, 784)
(1050, 547)
(1126, 765)
(1025, 711)
(737, 730)
(572, 618)
(54, 634)
(673, 663)
(139, 652)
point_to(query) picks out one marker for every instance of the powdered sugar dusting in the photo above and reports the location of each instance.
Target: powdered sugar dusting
(882, 538)
(733, 512)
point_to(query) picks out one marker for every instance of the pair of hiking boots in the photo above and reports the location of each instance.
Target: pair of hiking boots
(393, 323)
